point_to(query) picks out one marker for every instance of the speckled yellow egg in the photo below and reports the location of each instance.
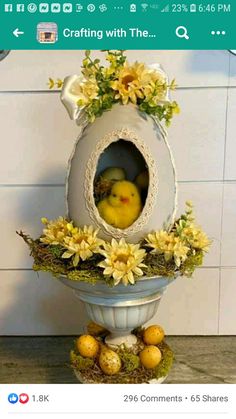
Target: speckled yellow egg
(109, 361)
(150, 356)
(95, 329)
(153, 335)
(142, 180)
(113, 173)
(87, 346)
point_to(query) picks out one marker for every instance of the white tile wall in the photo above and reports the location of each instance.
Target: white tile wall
(229, 225)
(232, 70)
(22, 208)
(47, 308)
(36, 140)
(190, 306)
(199, 131)
(230, 157)
(29, 70)
(227, 324)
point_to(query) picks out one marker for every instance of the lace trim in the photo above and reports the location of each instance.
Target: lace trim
(113, 136)
(124, 233)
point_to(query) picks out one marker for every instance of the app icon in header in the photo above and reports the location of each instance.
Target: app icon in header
(47, 33)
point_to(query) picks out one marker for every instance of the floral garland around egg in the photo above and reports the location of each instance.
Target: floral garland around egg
(80, 255)
(98, 88)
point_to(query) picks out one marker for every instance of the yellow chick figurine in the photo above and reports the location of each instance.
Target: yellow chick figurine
(123, 206)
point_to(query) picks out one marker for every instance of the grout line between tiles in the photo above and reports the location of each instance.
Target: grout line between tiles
(222, 202)
(45, 91)
(32, 185)
(62, 185)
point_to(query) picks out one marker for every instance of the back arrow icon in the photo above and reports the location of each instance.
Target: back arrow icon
(17, 32)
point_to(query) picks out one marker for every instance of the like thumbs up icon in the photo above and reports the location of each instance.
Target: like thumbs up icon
(13, 398)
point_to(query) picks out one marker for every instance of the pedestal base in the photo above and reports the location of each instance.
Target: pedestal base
(114, 340)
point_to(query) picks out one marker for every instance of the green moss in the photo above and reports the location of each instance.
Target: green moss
(80, 363)
(56, 251)
(48, 259)
(90, 276)
(167, 360)
(130, 361)
(158, 266)
(192, 262)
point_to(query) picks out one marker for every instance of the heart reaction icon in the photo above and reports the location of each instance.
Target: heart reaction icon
(23, 398)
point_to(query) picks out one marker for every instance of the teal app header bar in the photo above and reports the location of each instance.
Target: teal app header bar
(101, 24)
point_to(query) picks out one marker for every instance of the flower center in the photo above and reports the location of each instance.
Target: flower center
(127, 79)
(81, 238)
(122, 258)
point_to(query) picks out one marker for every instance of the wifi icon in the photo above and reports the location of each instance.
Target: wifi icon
(144, 6)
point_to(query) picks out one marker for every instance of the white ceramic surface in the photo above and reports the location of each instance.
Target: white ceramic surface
(121, 309)
(137, 128)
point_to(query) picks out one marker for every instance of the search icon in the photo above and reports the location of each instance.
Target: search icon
(182, 32)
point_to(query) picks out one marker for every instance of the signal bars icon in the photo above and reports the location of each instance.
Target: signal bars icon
(166, 9)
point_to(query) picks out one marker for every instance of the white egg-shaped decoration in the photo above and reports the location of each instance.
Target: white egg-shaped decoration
(127, 138)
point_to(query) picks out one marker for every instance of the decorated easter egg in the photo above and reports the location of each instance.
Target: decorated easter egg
(131, 140)
(87, 346)
(109, 361)
(150, 356)
(153, 335)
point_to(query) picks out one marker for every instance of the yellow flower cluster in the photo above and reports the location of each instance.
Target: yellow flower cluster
(184, 239)
(79, 243)
(123, 261)
(138, 82)
(54, 231)
(168, 244)
(94, 91)
(189, 232)
(195, 237)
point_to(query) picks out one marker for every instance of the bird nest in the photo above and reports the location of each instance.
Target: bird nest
(48, 259)
(132, 371)
(79, 254)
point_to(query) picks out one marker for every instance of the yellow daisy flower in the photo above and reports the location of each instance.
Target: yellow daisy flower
(196, 237)
(156, 90)
(168, 244)
(82, 244)
(55, 231)
(131, 81)
(123, 261)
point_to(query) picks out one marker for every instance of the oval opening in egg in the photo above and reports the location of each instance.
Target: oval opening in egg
(121, 184)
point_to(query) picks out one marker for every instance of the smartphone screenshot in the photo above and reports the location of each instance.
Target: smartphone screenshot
(118, 209)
